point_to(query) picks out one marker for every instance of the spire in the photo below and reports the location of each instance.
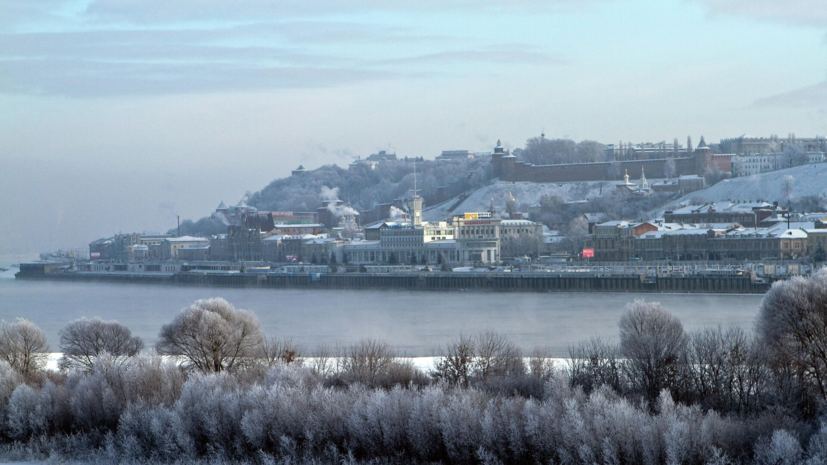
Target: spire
(644, 184)
(416, 196)
(626, 176)
(499, 144)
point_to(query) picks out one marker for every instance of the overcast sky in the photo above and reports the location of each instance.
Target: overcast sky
(116, 115)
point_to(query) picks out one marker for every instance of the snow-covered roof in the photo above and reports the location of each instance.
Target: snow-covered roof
(221, 206)
(717, 207)
(195, 247)
(299, 226)
(188, 239)
(594, 217)
(517, 223)
(794, 234)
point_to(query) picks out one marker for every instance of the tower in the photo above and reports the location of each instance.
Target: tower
(492, 209)
(626, 177)
(644, 184)
(415, 205)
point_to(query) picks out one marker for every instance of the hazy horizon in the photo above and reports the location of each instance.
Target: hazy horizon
(119, 115)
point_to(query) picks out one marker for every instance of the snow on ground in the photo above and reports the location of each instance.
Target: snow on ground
(524, 192)
(425, 364)
(769, 187)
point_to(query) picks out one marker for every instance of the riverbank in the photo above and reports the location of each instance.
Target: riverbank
(519, 282)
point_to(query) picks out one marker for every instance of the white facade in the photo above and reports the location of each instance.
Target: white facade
(757, 163)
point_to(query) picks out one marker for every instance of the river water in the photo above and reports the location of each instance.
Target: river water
(417, 323)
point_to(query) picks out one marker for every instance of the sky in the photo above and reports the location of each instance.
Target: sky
(119, 115)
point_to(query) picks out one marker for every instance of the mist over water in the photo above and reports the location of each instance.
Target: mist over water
(417, 323)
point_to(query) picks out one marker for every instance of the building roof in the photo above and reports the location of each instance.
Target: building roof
(794, 234)
(517, 223)
(188, 239)
(299, 226)
(195, 247)
(221, 206)
(721, 207)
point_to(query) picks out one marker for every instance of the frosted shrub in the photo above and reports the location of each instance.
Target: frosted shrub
(782, 449)
(817, 446)
(423, 429)
(9, 380)
(210, 409)
(149, 379)
(25, 416)
(460, 424)
(149, 434)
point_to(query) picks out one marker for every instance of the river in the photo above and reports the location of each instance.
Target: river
(418, 323)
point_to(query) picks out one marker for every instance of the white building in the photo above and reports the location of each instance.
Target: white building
(757, 163)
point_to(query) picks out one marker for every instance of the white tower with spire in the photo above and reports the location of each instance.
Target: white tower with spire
(415, 205)
(644, 184)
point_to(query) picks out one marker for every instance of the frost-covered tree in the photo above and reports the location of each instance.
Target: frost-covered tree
(652, 341)
(792, 325)
(212, 336)
(595, 363)
(281, 351)
(81, 341)
(23, 346)
(576, 233)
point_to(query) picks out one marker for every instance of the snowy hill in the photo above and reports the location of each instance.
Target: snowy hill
(807, 180)
(524, 192)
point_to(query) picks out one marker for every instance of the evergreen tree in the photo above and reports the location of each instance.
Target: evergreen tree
(392, 260)
(819, 256)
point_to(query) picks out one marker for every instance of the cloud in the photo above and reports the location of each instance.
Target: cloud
(196, 10)
(481, 56)
(84, 78)
(797, 12)
(805, 97)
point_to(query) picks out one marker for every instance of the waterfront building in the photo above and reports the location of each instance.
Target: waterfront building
(520, 237)
(194, 252)
(656, 240)
(171, 246)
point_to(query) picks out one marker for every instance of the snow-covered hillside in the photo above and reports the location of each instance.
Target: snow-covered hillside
(524, 192)
(807, 180)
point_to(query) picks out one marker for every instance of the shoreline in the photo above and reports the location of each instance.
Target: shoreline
(458, 282)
